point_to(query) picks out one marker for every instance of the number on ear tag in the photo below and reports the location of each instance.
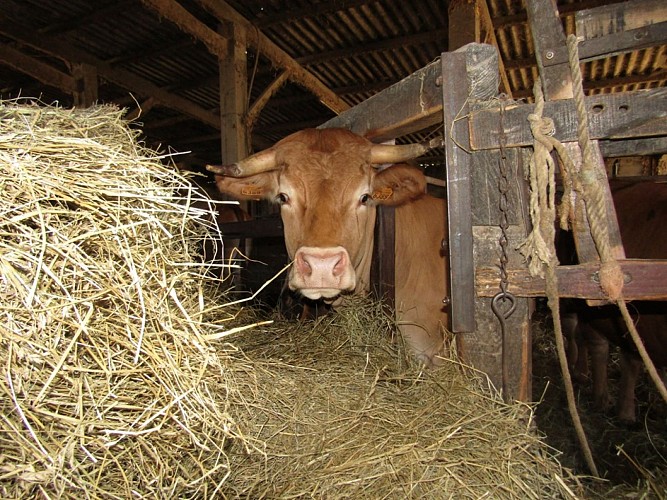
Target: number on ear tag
(383, 193)
(252, 191)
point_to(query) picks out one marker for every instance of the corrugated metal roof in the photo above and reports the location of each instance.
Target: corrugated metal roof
(355, 47)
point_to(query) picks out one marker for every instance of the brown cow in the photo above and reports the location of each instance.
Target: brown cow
(328, 191)
(642, 211)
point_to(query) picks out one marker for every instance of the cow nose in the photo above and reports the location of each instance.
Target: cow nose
(321, 262)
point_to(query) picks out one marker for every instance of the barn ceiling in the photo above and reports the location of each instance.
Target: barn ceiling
(162, 57)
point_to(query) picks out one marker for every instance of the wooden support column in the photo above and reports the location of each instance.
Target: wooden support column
(86, 85)
(470, 79)
(234, 95)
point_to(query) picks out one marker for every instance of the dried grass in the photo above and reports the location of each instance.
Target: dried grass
(119, 379)
(343, 414)
(109, 389)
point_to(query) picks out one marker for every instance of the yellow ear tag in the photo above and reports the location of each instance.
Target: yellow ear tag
(252, 191)
(383, 193)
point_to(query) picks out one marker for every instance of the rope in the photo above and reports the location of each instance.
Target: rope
(611, 275)
(542, 257)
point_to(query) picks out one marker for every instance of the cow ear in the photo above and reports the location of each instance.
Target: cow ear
(256, 187)
(398, 184)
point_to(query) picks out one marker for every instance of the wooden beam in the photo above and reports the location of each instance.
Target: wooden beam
(644, 280)
(186, 22)
(642, 113)
(40, 71)
(224, 12)
(548, 36)
(263, 99)
(618, 17)
(123, 78)
(413, 104)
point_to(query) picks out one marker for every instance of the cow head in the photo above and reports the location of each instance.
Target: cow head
(327, 188)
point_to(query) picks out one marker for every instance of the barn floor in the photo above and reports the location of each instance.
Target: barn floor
(633, 460)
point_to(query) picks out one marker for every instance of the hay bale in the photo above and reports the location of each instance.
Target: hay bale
(109, 386)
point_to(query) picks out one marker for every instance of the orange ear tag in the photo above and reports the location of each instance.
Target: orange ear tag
(383, 193)
(252, 191)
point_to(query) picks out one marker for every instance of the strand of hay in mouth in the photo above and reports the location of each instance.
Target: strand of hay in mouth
(108, 387)
(343, 414)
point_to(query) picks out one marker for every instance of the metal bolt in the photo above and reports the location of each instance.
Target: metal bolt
(438, 81)
(446, 301)
(549, 54)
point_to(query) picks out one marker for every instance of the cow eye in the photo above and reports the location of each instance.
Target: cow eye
(365, 198)
(282, 198)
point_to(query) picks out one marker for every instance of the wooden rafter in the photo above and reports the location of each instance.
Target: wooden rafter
(297, 74)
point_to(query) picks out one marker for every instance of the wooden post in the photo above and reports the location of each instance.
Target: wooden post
(86, 87)
(234, 95)
(469, 79)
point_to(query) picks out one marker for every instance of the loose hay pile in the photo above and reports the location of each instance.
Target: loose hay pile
(342, 416)
(116, 385)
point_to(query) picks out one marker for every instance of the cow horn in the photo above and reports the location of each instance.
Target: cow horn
(384, 153)
(254, 164)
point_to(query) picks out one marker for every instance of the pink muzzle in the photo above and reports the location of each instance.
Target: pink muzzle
(322, 272)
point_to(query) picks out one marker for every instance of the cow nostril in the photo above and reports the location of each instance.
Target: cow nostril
(339, 266)
(303, 266)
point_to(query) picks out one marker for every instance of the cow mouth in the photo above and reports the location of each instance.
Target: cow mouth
(321, 293)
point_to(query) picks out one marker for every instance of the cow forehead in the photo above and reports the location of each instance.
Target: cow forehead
(312, 167)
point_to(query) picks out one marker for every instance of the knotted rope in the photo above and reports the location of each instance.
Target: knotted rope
(541, 255)
(539, 249)
(611, 275)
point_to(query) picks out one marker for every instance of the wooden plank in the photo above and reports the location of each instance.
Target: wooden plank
(642, 113)
(645, 280)
(619, 17)
(40, 71)
(548, 36)
(634, 147)
(413, 104)
(86, 93)
(614, 44)
(455, 91)
(281, 59)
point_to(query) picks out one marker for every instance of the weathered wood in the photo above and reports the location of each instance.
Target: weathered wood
(233, 95)
(40, 71)
(618, 17)
(297, 74)
(548, 37)
(642, 113)
(259, 103)
(455, 91)
(464, 23)
(86, 92)
(413, 104)
(618, 43)
(645, 280)
(636, 147)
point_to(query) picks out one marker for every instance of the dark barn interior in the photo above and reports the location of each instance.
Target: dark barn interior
(212, 81)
